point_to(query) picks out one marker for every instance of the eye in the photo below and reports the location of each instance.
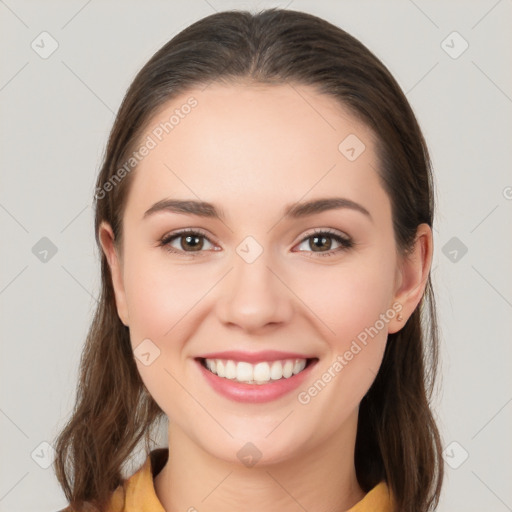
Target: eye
(322, 242)
(325, 242)
(189, 242)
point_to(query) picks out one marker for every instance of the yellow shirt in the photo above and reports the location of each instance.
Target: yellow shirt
(137, 494)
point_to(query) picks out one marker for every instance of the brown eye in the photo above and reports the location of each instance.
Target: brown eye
(192, 242)
(186, 242)
(320, 243)
(325, 243)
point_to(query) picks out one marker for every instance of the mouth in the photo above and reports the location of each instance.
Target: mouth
(260, 373)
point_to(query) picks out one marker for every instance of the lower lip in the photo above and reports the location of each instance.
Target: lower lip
(254, 393)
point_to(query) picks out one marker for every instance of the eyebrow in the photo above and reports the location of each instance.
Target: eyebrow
(293, 211)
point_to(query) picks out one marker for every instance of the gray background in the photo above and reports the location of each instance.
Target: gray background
(57, 112)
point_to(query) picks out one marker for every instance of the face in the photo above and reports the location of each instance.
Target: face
(256, 276)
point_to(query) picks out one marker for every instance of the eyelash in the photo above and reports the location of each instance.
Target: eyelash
(345, 243)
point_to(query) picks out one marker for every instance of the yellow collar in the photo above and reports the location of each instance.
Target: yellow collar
(137, 494)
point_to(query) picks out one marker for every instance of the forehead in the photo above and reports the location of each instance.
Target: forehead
(254, 143)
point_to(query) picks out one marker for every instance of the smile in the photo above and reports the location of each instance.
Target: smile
(259, 373)
(262, 380)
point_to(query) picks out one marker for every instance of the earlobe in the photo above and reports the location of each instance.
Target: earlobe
(413, 275)
(107, 241)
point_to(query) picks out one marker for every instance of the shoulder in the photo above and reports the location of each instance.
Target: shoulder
(115, 504)
(139, 484)
(378, 499)
(86, 508)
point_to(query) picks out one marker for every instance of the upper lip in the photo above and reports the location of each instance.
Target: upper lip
(254, 357)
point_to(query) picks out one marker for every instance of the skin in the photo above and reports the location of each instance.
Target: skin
(251, 150)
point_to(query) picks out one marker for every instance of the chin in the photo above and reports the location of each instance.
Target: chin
(250, 447)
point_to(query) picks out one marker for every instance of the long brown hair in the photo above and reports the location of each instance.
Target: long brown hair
(397, 438)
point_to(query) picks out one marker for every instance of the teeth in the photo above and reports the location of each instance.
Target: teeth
(262, 372)
(244, 372)
(221, 368)
(298, 366)
(288, 369)
(230, 370)
(211, 365)
(276, 370)
(259, 373)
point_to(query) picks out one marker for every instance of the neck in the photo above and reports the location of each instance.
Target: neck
(322, 478)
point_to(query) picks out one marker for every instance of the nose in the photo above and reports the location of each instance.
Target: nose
(254, 297)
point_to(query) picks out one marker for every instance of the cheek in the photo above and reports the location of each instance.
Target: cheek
(161, 299)
(160, 295)
(352, 304)
(355, 352)
(165, 303)
(349, 298)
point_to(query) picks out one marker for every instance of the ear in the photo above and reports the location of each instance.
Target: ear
(412, 277)
(107, 240)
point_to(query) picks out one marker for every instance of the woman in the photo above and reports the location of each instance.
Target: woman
(264, 212)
